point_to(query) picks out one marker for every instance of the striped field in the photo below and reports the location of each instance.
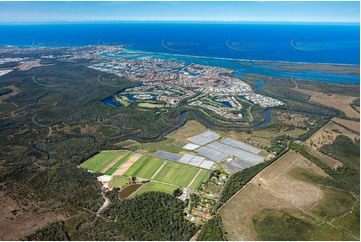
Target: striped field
(120, 162)
(145, 167)
(101, 160)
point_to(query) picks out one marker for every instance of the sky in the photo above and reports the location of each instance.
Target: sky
(180, 11)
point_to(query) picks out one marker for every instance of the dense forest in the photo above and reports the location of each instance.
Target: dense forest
(153, 216)
(211, 230)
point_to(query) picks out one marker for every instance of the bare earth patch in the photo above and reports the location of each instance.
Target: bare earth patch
(14, 92)
(30, 64)
(18, 219)
(338, 101)
(189, 129)
(120, 171)
(273, 188)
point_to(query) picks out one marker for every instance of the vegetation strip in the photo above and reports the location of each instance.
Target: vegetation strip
(120, 162)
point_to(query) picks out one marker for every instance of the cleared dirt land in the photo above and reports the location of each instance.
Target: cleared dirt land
(290, 200)
(340, 102)
(273, 188)
(22, 218)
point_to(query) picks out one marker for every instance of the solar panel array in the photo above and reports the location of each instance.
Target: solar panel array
(204, 138)
(244, 155)
(211, 154)
(241, 145)
(194, 160)
(167, 155)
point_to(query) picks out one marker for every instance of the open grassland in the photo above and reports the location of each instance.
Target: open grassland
(327, 135)
(337, 101)
(101, 160)
(263, 138)
(119, 181)
(118, 163)
(202, 177)
(145, 167)
(189, 129)
(177, 173)
(169, 145)
(353, 125)
(150, 105)
(156, 187)
(292, 199)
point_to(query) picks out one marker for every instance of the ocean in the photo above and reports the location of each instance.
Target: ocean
(286, 42)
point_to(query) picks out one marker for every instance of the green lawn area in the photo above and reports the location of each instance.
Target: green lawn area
(119, 181)
(156, 187)
(177, 173)
(145, 167)
(99, 161)
(169, 145)
(202, 177)
(120, 162)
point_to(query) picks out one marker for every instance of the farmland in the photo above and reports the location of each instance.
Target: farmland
(101, 160)
(156, 187)
(177, 174)
(120, 162)
(119, 181)
(202, 177)
(145, 167)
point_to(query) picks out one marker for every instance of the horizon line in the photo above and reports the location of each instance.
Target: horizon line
(172, 21)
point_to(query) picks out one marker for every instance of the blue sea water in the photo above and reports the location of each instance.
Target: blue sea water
(288, 42)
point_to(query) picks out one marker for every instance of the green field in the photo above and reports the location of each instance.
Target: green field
(177, 173)
(99, 161)
(120, 162)
(145, 167)
(202, 177)
(156, 187)
(119, 181)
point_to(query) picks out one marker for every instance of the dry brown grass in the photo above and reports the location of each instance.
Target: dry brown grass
(297, 120)
(327, 134)
(273, 188)
(338, 101)
(353, 125)
(189, 129)
(20, 219)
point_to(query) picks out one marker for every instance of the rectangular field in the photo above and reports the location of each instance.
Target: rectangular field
(120, 162)
(211, 154)
(204, 138)
(145, 167)
(119, 181)
(177, 173)
(101, 160)
(167, 155)
(156, 187)
(244, 155)
(241, 145)
(202, 177)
